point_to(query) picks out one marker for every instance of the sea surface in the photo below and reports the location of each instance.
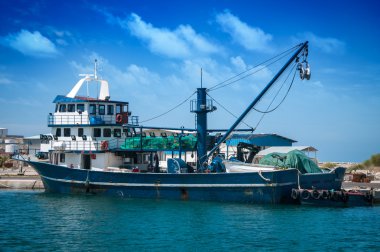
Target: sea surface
(37, 221)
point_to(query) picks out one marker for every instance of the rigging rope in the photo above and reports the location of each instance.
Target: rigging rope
(170, 110)
(287, 92)
(228, 111)
(266, 112)
(285, 53)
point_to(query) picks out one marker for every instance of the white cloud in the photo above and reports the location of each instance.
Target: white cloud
(239, 63)
(195, 40)
(60, 37)
(326, 45)
(161, 41)
(30, 43)
(5, 81)
(141, 85)
(251, 38)
(183, 42)
(131, 76)
(317, 84)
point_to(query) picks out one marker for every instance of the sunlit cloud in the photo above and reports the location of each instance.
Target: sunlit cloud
(31, 44)
(251, 38)
(182, 42)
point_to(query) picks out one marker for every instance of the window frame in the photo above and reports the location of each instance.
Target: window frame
(97, 130)
(90, 112)
(66, 132)
(62, 108)
(102, 109)
(115, 134)
(70, 107)
(110, 109)
(107, 132)
(80, 132)
(80, 107)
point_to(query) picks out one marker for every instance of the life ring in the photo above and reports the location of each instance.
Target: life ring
(295, 194)
(104, 145)
(305, 194)
(119, 118)
(315, 194)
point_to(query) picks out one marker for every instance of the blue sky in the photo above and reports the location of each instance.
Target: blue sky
(151, 52)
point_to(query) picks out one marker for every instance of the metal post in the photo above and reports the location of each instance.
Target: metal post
(201, 112)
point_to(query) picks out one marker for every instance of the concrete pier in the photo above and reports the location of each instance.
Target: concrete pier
(15, 178)
(24, 183)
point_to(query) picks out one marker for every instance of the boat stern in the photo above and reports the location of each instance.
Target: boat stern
(323, 181)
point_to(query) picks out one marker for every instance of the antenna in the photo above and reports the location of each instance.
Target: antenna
(201, 77)
(95, 69)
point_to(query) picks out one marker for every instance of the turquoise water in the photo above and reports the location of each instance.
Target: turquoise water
(36, 221)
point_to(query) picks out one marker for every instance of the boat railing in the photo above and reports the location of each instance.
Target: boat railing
(81, 119)
(91, 145)
(76, 145)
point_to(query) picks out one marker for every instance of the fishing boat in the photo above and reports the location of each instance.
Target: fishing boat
(97, 146)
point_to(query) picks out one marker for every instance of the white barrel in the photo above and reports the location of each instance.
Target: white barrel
(10, 146)
(3, 132)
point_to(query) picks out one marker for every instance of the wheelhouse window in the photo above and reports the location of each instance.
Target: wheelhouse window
(97, 132)
(92, 109)
(58, 132)
(62, 108)
(102, 109)
(80, 132)
(71, 108)
(107, 132)
(117, 132)
(80, 107)
(110, 109)
(62, 157)
(66, 132)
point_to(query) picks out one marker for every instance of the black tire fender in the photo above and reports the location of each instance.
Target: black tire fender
(305, 194)
(316, 194)
(295, 194)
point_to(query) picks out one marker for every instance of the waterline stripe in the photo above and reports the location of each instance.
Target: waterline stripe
(169, 185)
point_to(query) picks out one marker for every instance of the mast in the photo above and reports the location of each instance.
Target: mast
(248, 109)
(201, 106)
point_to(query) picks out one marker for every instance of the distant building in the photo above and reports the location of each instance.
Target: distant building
(33, 144)
(9, 144)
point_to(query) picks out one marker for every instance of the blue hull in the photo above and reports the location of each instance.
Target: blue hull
(249, 187)
(228, 187)
(323, 181)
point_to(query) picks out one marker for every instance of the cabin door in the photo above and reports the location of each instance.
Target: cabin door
(86, 161)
